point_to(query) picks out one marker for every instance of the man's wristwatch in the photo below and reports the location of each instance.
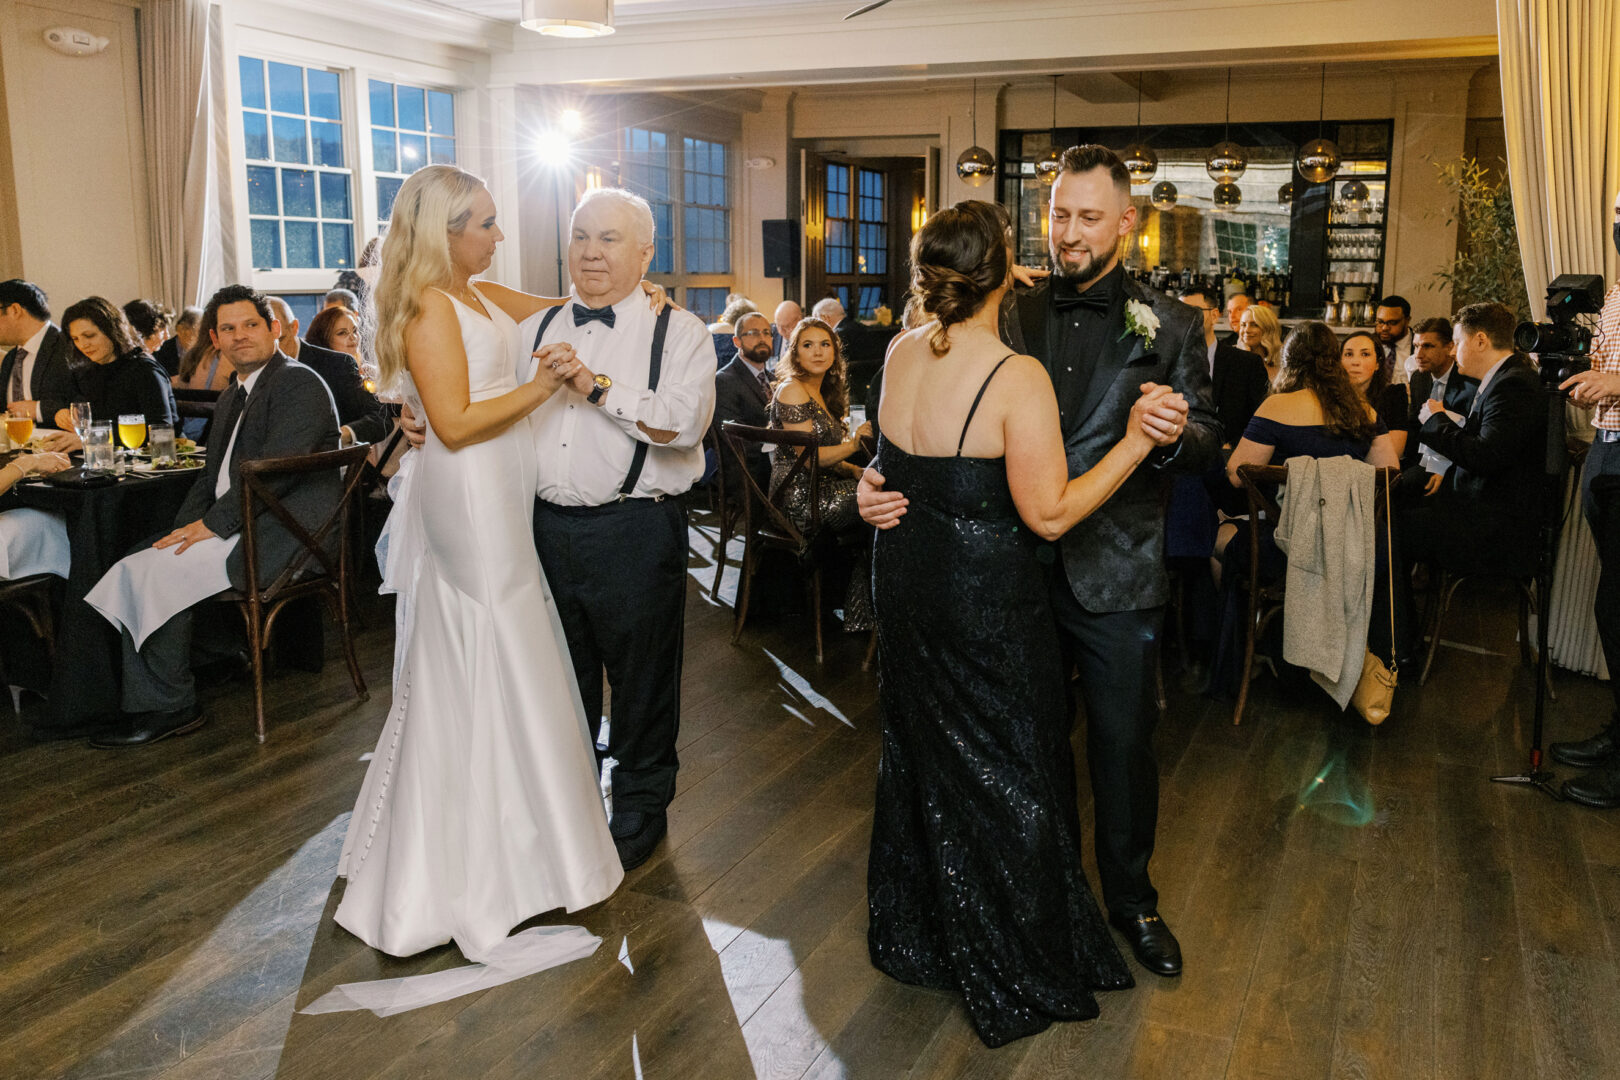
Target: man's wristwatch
(603, 384)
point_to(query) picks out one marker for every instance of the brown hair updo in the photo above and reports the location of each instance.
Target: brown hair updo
(958, 258)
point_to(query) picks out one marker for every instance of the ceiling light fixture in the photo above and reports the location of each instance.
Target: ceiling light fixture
(1318, 160)
(1164, 195)
(1227, 160)
(1051, 163)
(976, 165)
(1140, 160)
(568, 18)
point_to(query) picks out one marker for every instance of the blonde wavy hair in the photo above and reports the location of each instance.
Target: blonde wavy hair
(1270, 332)
(432, 204)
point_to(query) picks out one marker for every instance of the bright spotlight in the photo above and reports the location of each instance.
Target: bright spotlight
(553, 148)
(572, 121)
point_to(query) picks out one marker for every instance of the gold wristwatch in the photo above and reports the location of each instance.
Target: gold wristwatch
(603, 384)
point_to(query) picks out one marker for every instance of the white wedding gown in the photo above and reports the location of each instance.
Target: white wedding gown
(481, 807)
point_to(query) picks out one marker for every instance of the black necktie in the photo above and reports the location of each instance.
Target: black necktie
(1091, 299)
(15, 391)
(583, 315)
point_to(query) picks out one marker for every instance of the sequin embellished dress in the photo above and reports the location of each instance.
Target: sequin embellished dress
(974, 883)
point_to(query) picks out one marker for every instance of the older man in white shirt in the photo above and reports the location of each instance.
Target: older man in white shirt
(616, 449)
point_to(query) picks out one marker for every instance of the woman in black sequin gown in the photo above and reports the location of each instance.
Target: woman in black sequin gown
(975, 882)
(812, 394)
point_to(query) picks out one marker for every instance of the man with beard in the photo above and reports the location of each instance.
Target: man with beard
(742, 389)
(1102, 336)
(1393, 323)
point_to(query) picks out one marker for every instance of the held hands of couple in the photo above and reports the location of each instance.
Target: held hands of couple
(1159, 415)
(185, 536)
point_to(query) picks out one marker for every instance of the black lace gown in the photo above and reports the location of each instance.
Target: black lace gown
(975, 883)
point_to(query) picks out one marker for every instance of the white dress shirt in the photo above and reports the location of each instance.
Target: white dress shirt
(584, 451)
(224, 483)
(31, 349)
(1405, 363)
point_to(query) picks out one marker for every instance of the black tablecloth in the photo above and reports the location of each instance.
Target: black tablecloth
(103, 524)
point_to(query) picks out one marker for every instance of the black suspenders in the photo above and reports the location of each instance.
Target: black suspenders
(654, 365)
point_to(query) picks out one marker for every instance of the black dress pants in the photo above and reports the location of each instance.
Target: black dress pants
(618, 575)
(1115, 654)
(1600, 494)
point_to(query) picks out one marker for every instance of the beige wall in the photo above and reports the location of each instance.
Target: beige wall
(76, 158)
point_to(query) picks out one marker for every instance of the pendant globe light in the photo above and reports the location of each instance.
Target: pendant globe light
(1227, 197)
(1318, 160)
(1164, 195)
(1051, 163)
(1227, 160)
(976, 164)
(1285, 194)
(1140, 160)
(1355, 196)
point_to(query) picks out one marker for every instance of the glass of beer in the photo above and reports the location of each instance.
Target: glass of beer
(132, 430)
(19, 425)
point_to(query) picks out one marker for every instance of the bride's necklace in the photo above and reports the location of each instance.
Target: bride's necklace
(466, 294)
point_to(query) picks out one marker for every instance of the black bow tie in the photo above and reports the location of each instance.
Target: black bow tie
(583, 315)
(1092, 299)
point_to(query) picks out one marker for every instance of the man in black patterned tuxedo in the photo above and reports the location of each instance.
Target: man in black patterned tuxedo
(1101, 336)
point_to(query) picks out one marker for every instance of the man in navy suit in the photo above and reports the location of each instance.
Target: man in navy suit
(34, 371)
(741, 392)
(363, 417)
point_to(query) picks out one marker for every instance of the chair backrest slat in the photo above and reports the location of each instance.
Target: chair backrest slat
(257, 496)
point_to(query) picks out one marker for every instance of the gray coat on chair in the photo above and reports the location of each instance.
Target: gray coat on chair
(289, 413)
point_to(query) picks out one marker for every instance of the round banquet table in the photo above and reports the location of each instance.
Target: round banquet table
(103, 524)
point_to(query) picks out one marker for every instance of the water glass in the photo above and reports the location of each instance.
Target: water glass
(160, 444)
(98, 446)
(80, 411)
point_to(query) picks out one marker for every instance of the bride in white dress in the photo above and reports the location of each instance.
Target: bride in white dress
(481, 807)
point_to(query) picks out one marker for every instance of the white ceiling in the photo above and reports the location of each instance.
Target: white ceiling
(636, 10)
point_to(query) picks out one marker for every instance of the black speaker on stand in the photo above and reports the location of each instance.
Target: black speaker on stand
(781, 247)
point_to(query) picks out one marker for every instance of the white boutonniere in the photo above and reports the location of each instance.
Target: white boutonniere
(1140, 320)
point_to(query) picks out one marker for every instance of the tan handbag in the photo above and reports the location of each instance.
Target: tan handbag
(1375, 692)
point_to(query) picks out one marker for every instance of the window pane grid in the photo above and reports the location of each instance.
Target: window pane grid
(299, 206)
(707, 240)
(646, 172)
(411, 126)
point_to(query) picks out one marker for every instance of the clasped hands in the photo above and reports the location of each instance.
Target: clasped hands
(559, 365)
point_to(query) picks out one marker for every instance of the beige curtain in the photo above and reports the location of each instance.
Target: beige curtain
(1560, 62)
(178, 116)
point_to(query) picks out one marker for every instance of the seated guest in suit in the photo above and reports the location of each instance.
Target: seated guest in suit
(172, 351)
(1314, 411)
(725, 328)
(363, 417)
(785, 318)
(742, 389)
(1392, 320)
(1238, 377)
(335, 329)
(1368, 366)
(1260, 332)
(149, 322)
(112, 372)
(275, 407)
(1236, 305)
(35, 369)
(1483, 516)
(1434, 375)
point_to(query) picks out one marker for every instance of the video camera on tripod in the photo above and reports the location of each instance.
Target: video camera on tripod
(1563, 344)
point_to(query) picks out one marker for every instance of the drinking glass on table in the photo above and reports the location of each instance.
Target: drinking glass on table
(80, 411)
(132, 430)
(20, 424)
(160, 444)
(98, 446)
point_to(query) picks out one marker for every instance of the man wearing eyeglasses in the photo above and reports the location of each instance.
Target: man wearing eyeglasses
(742, 390)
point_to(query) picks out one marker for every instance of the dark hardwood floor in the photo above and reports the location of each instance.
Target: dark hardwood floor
(1352, 903)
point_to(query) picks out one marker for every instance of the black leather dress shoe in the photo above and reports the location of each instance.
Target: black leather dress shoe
(1597, 750)
(1155, 946)
(1599, 788)
(152, 727)
(636, 834)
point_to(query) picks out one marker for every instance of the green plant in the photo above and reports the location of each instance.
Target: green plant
(1487, 265)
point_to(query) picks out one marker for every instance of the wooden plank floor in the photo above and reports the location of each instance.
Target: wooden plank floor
(1351, 903)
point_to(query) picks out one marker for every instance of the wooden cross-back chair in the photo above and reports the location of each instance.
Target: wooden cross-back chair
(767, 524)
(1265, 600)
(724, 503)
(323, 565)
